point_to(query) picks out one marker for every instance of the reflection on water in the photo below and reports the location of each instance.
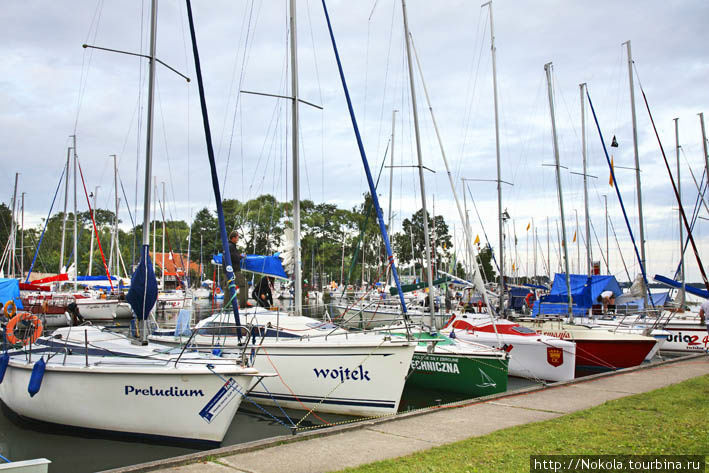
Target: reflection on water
(20, 440)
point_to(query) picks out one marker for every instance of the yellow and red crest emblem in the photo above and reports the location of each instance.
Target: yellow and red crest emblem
(555, 356)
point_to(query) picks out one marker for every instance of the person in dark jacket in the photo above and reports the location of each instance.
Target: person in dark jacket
(239, 280)
(262, 292)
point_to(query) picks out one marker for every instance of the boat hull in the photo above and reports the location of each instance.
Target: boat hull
(365, 380)
(467, 375)
(161, 403)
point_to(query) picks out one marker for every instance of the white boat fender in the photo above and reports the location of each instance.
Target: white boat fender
(4, 360)
(36, 377)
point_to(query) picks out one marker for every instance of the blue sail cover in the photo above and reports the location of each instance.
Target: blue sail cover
(268, 265)
(217, 259)
(143, 290)
(10, 291)
(584, 289)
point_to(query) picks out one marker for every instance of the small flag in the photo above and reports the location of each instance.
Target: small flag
(529, 225)
(477, 239)
(513, 266)
(610, 178)
(574, 236)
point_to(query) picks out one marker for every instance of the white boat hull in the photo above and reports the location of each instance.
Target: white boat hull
(103, 309)
(163, 402)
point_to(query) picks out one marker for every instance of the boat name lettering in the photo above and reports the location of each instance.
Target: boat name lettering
(437, 366)
(357, 374)
(173, 391)
(690, 340)
(561, 335)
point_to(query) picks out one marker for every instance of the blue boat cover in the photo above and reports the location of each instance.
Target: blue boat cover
(690, 289)
(10, 290)
(217, 259)
(658, 300)
(268, 265)
(517, 296)
(143, 290)
(584, 289)
(95, 278)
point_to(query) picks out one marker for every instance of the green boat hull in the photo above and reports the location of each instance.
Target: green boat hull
(461, 374)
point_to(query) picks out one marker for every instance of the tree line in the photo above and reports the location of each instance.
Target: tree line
(329, 240)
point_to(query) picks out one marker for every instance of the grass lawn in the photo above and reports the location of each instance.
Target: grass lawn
(671, 420)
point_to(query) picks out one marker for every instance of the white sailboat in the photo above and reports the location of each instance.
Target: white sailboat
(319, 368)
(136, 389)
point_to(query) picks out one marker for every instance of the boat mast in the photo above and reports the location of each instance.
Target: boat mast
(704, 144)
(155, 217)
(115, 226)
(637, 166)
(76, 225)
(298, 277)
(66, 199)
(11, 259)
(427, 242)
(91, 248)
(391, 179)
(585, 180)
(499, 171)
(149, 148)
(162, 207)
(462, 212)
(681, 225)
(547, 68)
(608, 256)
(22, 240)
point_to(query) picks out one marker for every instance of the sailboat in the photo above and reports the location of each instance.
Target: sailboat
(319, 367)
(138, 389)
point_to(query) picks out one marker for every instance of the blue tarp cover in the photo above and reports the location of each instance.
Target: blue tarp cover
(657, 299)
(95, 278)
(584, 289)
(268, 265)
(10, 290)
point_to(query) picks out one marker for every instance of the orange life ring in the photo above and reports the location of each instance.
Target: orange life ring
(529, 300)
(10, 313)
(33, 320)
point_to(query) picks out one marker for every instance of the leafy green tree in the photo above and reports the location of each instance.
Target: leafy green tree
(412, 235)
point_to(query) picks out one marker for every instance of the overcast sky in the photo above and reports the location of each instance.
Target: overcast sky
(51, 88)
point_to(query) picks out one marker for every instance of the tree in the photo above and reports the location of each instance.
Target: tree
(412, 235)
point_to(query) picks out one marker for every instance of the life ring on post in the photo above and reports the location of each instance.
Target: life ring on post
(9, 313)
(33, 320)
(529, 300)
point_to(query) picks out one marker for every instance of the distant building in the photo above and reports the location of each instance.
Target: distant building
(176, 266)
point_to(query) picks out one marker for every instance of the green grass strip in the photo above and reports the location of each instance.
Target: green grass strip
(669, 421)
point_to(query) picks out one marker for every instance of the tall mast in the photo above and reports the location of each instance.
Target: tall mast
(13, 231)
(578, 243)
(681, 225)
(76, 225)
(637, 165)
(115, 226)
(298, 277)
(149, 150)
(91, 249)
(547, 68)
(426, 238)
(608, 256)
(155, 217)
(704, 145)
(162, 206)
(391, 177)
(66, 200)
(585, 180)
(22, 240)
(548, 251)
(499, 171)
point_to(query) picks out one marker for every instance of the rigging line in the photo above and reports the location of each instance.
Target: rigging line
(237, 99)
(103, 258)
(470, 93)
(487, 240)
(701, 190)
(600, 248)
(322, 114)
(46, 222)
(84, 77)
(620, 200)
(700, 193)
(674, 187)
